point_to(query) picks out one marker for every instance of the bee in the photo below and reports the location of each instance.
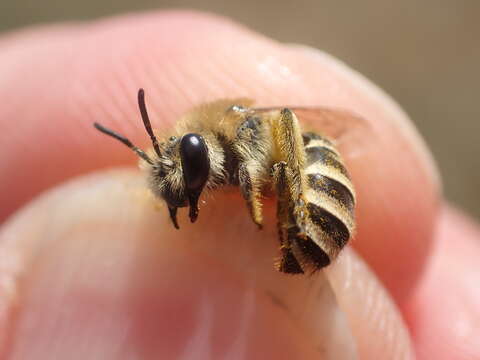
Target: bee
(229, 142)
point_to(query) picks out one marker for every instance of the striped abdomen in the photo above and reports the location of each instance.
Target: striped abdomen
(330, 199)
(308, 246)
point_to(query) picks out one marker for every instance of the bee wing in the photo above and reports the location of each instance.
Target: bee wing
(337, 124)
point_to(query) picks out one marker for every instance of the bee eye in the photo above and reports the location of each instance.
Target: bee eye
(195, 161)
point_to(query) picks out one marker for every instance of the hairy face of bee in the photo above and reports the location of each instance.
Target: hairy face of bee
(178, 170)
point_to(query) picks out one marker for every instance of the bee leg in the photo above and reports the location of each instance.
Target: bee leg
(173, 216)
(250, 190)
(289, 142)
(287, 263)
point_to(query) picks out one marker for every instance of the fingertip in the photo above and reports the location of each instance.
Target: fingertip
(95, 76)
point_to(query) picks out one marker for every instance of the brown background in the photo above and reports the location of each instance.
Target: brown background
(426, 54)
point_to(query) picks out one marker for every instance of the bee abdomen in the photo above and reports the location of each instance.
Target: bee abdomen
(330, 196)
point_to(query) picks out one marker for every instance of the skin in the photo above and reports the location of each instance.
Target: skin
(90, 268)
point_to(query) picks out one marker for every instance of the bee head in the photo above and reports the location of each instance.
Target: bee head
(181, 174)
(178, 170)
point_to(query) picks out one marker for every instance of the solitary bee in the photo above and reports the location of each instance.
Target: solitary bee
(228, 142)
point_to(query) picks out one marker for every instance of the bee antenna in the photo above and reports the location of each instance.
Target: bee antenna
(146, 120)
(123, 140)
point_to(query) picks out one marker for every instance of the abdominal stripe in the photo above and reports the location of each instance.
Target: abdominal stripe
(330, 224)
(333, 188)
(307, 250)
(323, 155)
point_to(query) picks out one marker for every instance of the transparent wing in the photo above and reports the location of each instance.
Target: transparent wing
(339, 125)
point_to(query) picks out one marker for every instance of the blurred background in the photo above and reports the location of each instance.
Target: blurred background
(425, 54)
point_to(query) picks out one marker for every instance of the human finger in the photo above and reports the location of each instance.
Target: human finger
(92, 270)
(94, 78)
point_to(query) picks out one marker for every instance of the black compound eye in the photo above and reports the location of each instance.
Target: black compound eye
(195, 161)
